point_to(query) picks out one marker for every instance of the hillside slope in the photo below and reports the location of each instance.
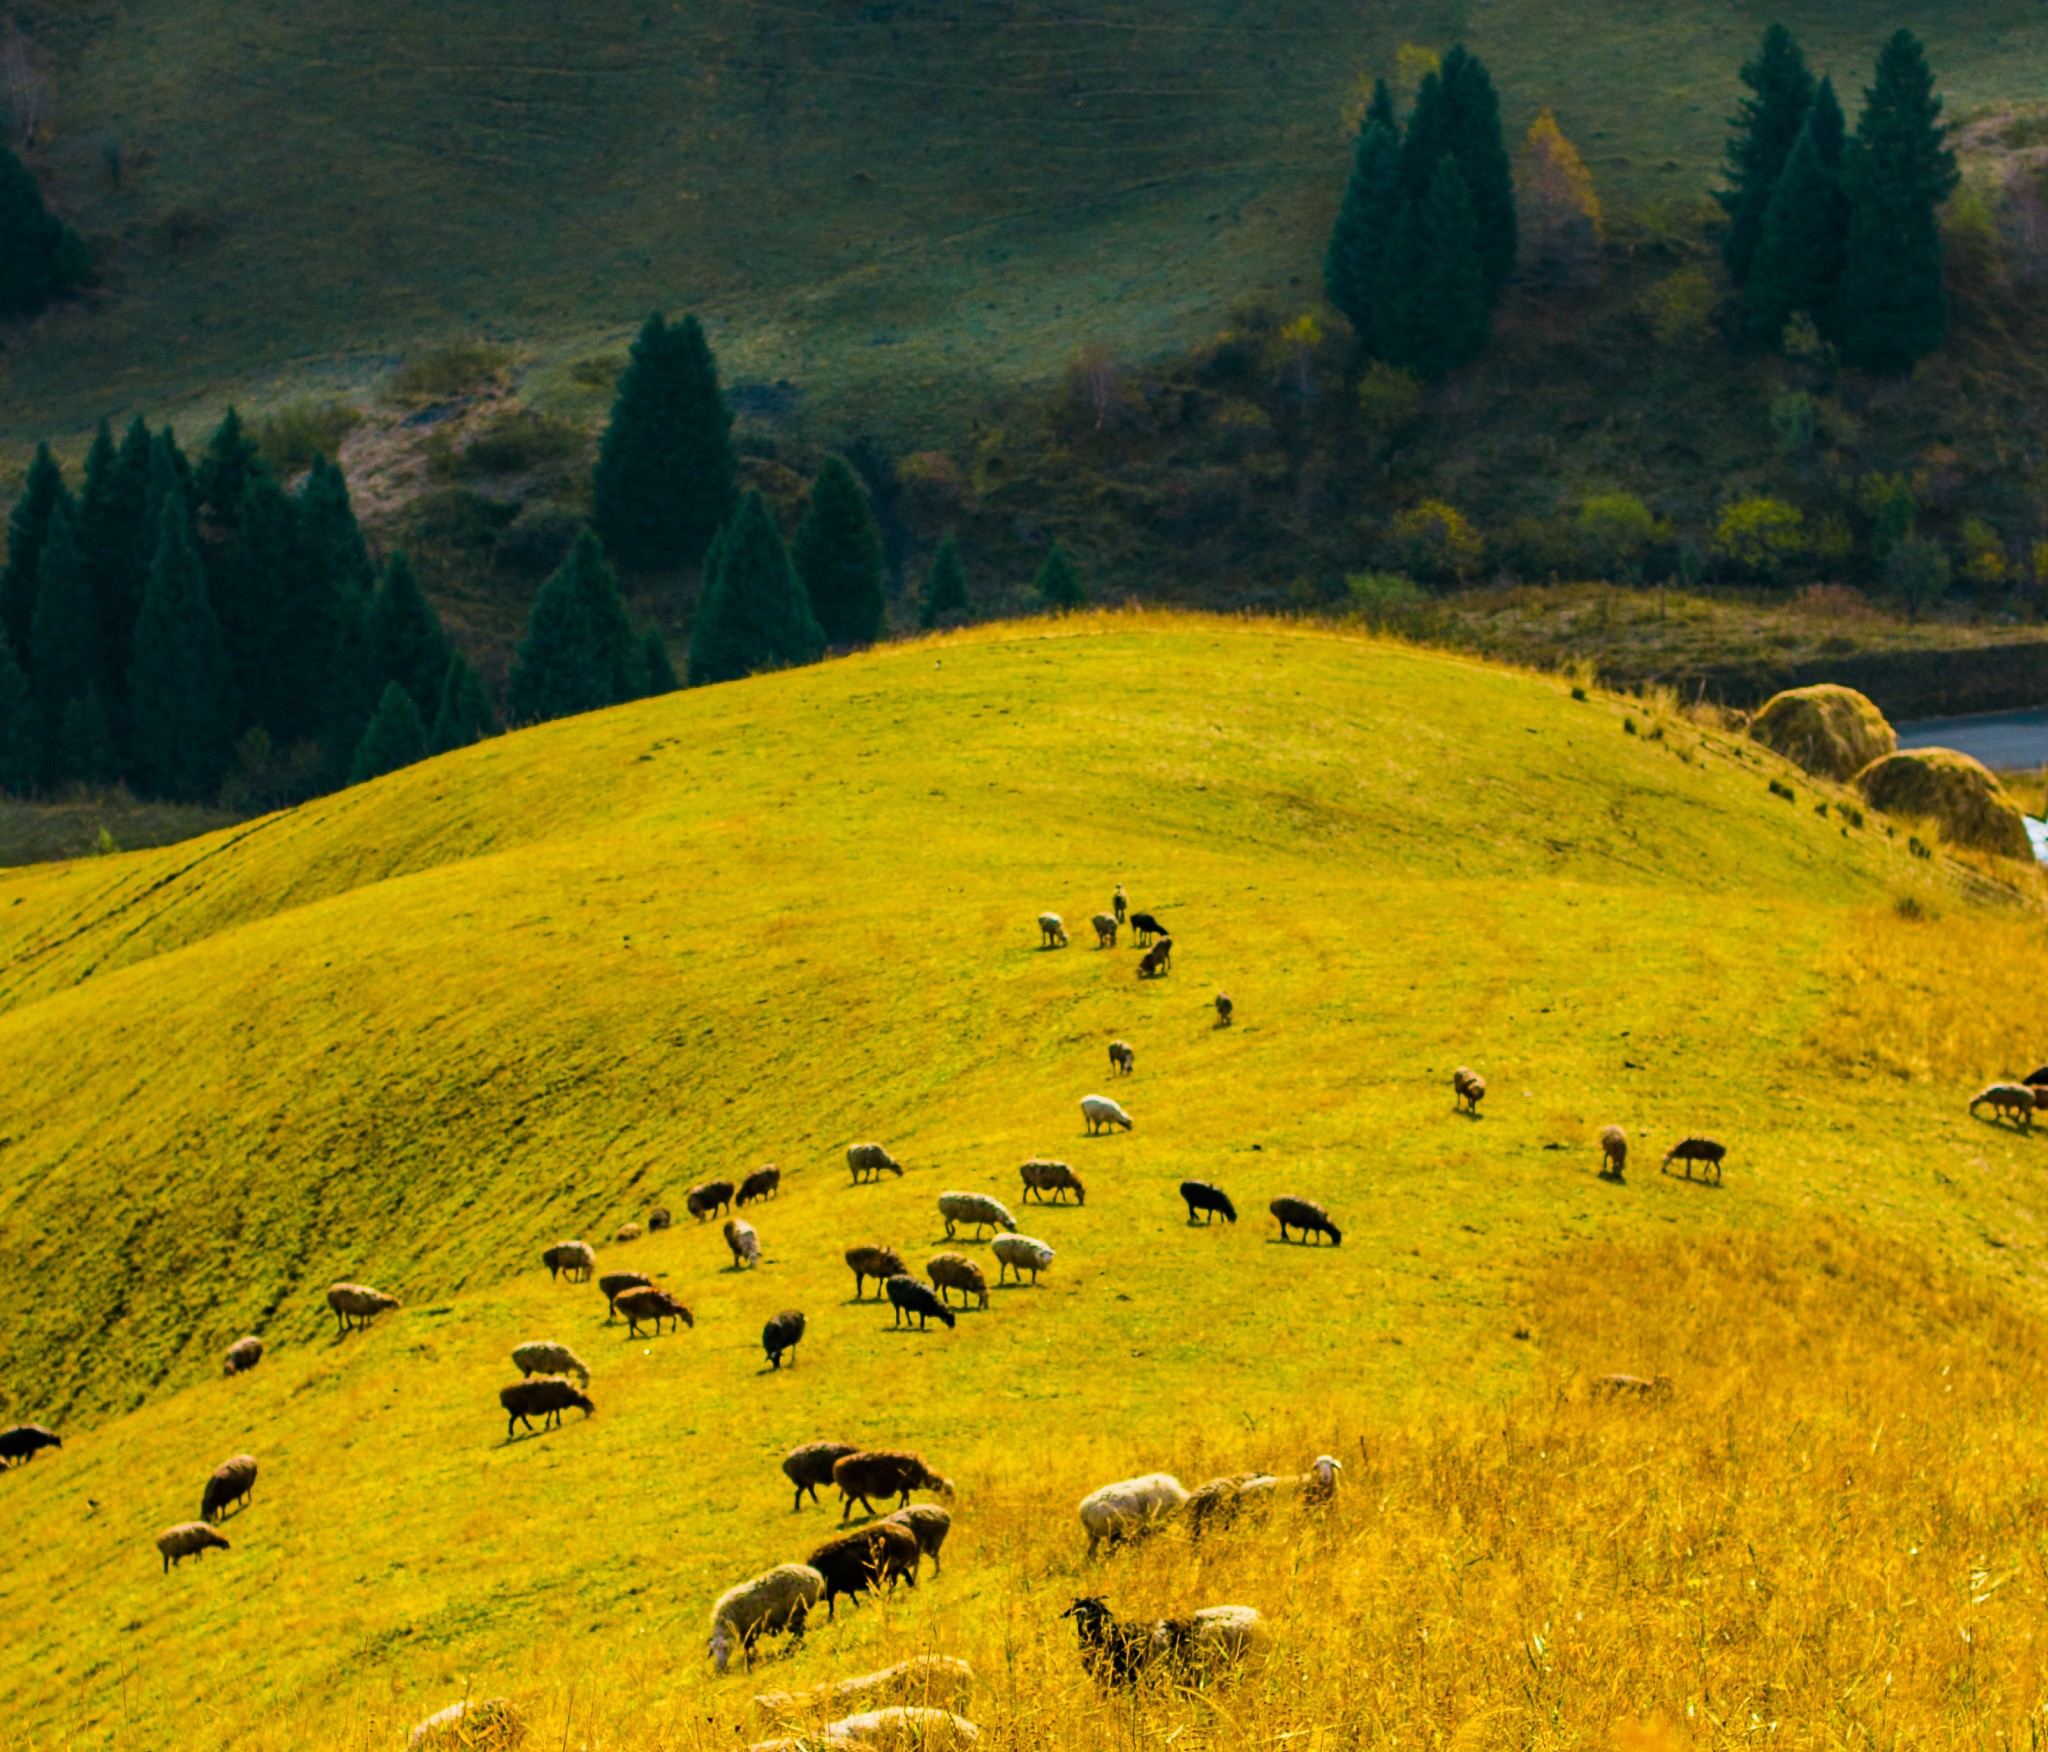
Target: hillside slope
(413, 1033)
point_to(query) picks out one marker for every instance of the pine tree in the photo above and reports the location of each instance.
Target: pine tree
(561, 667)
(111, 527)
(1799, 254)
(1765, 127)
(1428, 138)
(598, 587)
(657, 673)
(1472, 136)
(1890, 307)
(333, 602)
(754, 613)
(64, 641)
(394, 737)
(85, 752)
(21, 729)
(1354, 262)
(838, 554)
(168, 473)
(464, 715)
(277, 639)
(666, 475)
(1381, 109)
(1436, 314)
(405, 638)
(28, 528)
(40, 256)
(181, 712)
(945, 591)
(222, 477)
(1059, 579)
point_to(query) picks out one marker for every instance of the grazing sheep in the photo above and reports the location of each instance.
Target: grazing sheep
(709, 1199)
(1632, 1387)
(898, 1728)
(762, 1183)
(1121, 1059)
(188, 1539)
(932, 1681)
(744, 1243)
(545, 1397)
(1147, 927)
(571, 1259)
(1101, 1113)
(884, 1473)
(615, 1284)
(539, 1357)
(650, 1302)
(879, 1263)
(1308, 1217)
(778, 1599)
(868, 1160)
(658, 1219)
(2014, 1101)
(490, 1722)
(1613, 1152)
(908, 1296)
(627, 1232)
(1019, 1253)
(1114, 1653)
(1696, 1149)
(1312, 1488)
(1052, 931)
(1469, 1087)
(811, 1465)
(232, 1481)
(781, 1334)
(1225, 1009)
(1127, 1508)
(1216, 1504)
(2037, 1078)
(1212, 1201)
(242, 1356)
(1042, 1176)
(976, 1208)
(22, 1443)
(929, 1524)
(1121, 904)
(1156, 960)
(357, 1303)
(852, 1563)
(955, 1271)
(1105, 930)
(1190, 1648)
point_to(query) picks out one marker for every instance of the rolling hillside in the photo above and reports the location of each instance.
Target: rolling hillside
(413, 1033)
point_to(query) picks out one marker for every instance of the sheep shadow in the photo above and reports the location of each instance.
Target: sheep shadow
(1312, 1246)
(1018, 1285)
(1468, 1113)
(1692, 1180)
(2010, 1128)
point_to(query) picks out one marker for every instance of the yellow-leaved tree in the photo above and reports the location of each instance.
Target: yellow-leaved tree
(1562, 227)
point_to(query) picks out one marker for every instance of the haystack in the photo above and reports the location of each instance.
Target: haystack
(1954, 792)
(1831, 732)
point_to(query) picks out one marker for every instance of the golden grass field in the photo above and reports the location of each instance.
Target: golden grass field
(412, 1033)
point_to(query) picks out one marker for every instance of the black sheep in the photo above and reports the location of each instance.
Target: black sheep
(1147, 928)
(781, 1334)
(1114, 1653)
(1156, 960)
(24, 1442)
(852, 1563)
(545, 1397)
(911, 1297)
(1308, 1217)
(232, 1482)
(1201, 1196)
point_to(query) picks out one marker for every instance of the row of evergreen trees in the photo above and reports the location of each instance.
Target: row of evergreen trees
(1843, 230)
(1425, 239)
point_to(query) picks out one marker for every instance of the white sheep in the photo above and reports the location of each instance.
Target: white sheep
(976, 1208)
(1117, 1511)
(1052, 931)
(1317, 1485)
(1020, 1253)
(896, 1729)
(487, 1721)
(1216, 1636)
(1101, 1113)
(745, 1243)
(934, 1681)
(540, 1357)
(778, 1599)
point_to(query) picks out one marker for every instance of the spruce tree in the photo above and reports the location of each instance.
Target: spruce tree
(85, 752)
(277, 638)
(181, 710)
(28, 528)
(111, 525)
(64, 641)
(754, 614)
(838, 554)
(1427, 141)
(1436, 314)
(464, 714)
(1766, 125)
(945, 591)
(222, 477)
(21, 729)
(598, 587)
(1890, 307)
(1799, 255)
(561, 667)
(1472, 136)
(169, 473)
(1354, 263)
(394, 737)
(40, 256)
(405, 638)
(334, 593)
(666, 475)
(1059, 579)
(657, 673)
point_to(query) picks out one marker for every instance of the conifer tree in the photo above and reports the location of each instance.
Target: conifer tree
(181, 710)
(754, 614)
(278, 637)
(657, 673)
(561, 667)
(945, 591)
(1472, 136)
(40, 256)
(1059, 579)
(666, 475)
(1436, 314)
(464, 715)
(1354, 263)
(838, 554)
(1428, 138)
(168, 473)
(1890, 307)
(1380, 109)
(222, 477)
(112, 528)
(21, 729)
(598, 587)
(405, 639)
(1799, 254)
(333, 593)
(393, 738)
(1765, 125)
(28, 528)
(85, 752)
(64, 642)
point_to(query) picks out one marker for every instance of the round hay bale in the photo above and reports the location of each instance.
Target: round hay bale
(1831, 732)
(1954, 792)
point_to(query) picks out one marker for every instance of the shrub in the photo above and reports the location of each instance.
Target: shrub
(293, 436)
(517, 440)
(1917, 573)
(1617, 530)
(456, 369)
(1383, 599)
(1538, 548)
(1680, 308)
(1437, 540)
(1793, 423)
(1984, 560)
(1759, 537)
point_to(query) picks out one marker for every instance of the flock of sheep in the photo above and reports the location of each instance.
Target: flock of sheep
(2018, 1102)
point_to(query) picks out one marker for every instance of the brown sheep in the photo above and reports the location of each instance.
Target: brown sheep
(781, 1335)
(188, 1539)
(929, 1523)
(570, 1259)
(357, 1304)
(242, 1356)
(1121, 1058)
(615, 1284)
(852, 1563)
(762, 1183)
(879, 1263)
(658, 1219)
(869, 1161)
(653, 1304)
(1156, 960)
(1614, 1151)
(886, 1473)
(1105, 930)
(1307, 1216)
(1042, 1176)
(1225, 1010)
(1469, 1087)
(708, 1199)
(955, 1271)
(1696, 1149)
(2014, 1101)
(545, 1397)
(627, 1232)
(811, 1465)
(232, 1482)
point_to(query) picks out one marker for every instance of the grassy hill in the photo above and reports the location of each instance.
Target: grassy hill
(412, 1033)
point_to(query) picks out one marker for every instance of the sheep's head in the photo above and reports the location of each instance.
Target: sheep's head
(721, 1645)
(1326, 1469)
(1090, 1613)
